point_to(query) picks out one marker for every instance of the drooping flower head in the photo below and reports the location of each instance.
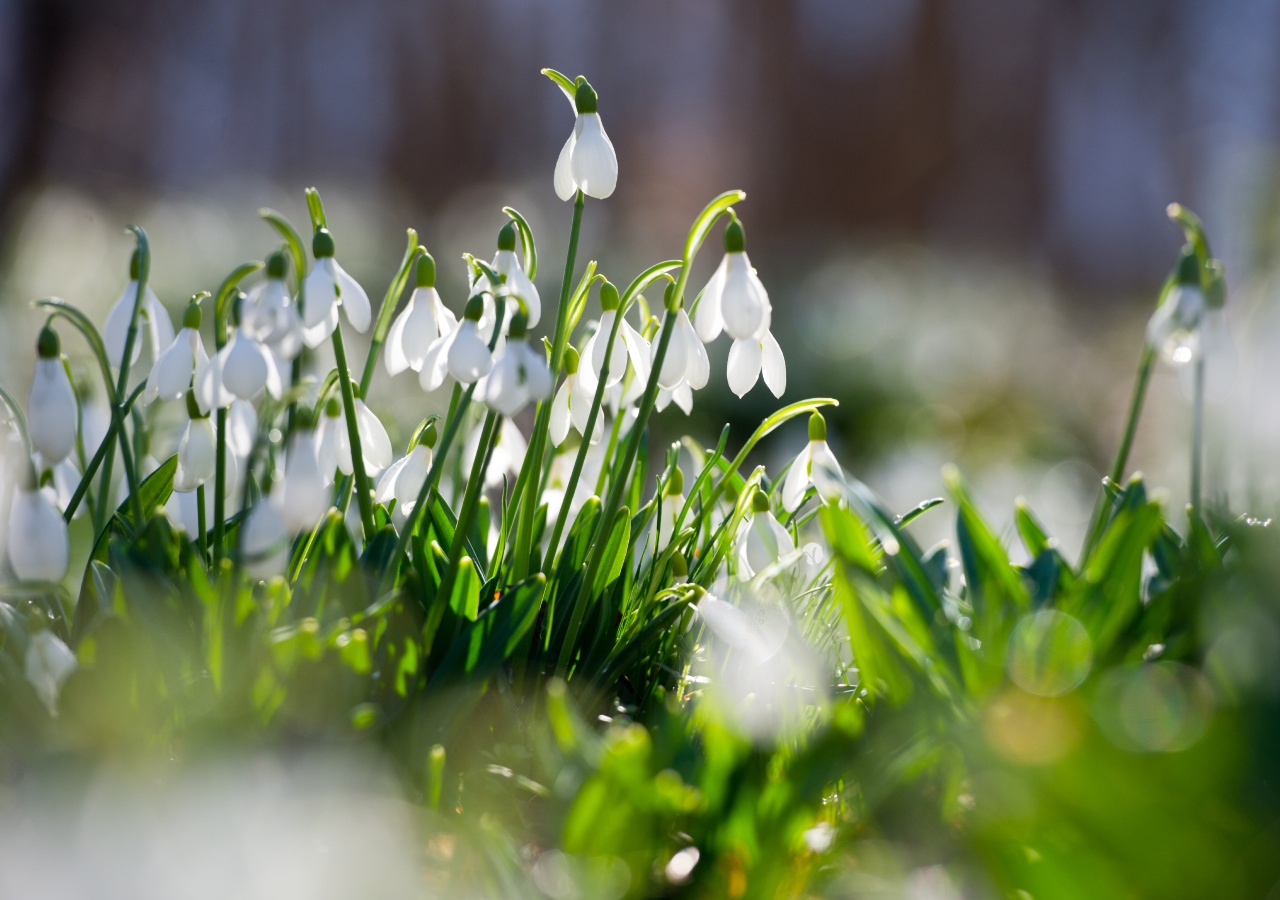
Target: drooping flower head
(302, 494)
(403, 479)
(197, 451)
(520, 373)
(1174, 329)
(52, 418)
(172, 373)
(572, 404)
(587, 162)
(762, 540)
(815, 465)
(516, 283)
(155, 330)
(327, 287)
(269, 313)
(423, 321)
(468, 358)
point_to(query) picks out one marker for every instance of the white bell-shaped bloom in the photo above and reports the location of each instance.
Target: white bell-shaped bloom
(468, 357)
(1174, 328)
(508, 453)
(520, 375)
(155, 328)
(39, 548)
(746, 360)
(242, 427)
(588, 161)
(628, 345)
(303, 493)
(327, 286)
(682, 394)
(264, 541)
(240, 369)
(423, 321)
(173, 371)
(197, 455)
(571, 406)
(64, 478)
(53, 412)
(49, 663)
(686, 360)
(403, 479)
(669, 508)
(734, 300)
(761, 540)
(269, 314)
(333, 441)
(507, 263)
(815, 465)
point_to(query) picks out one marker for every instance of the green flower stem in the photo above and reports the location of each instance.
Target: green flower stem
(203, 542)
(470, 500)
(538, 440)
(388, 309)
(615, 431)
(126, 363)
(1197, 434)
(91, 469)
(353, 435)
(458, 404)
(616, 488)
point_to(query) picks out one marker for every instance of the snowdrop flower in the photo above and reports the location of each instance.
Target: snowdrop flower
(53, 415)
(59, 481)
(685, 368)
(333, 441)
(403, 479)
(587, 162)
(572, 404)
(748, 357)
(39, 548)
(762, 540)
(816, 465)
(242, 427)
(264, 542)
(420, 324)
(240, 369)
(734, 300)
(269, 314)
(303, 494)
(1174, 329)
(197, 451)
(628, 345)
(327, 287)
(155, 330)
(516, 284)
(508, 453)
(49, 663)
(468, 358)
(672, 502)
(173, 370)
(520, 373)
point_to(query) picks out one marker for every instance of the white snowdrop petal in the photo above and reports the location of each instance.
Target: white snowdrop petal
(52, 418)
(355, 302)
(49, 663)
(245, 367)
(707, 318)
(303, 497)
(413, 475)
(265, 542)
(676, 363)
(394, 357)
(637, 351)
(435, 364)
(744, 366)
(469, 358)
(385, 491)
(242, 427)
(773, 365)
(560, 413)
(374, 442)
(683, 396)
(698, 366)
(825, 471)
(592, 160)
(563, 178)
(797, 480)
(319, 293)
(743, 303)
(39, 548)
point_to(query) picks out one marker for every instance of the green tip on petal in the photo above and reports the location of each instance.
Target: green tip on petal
(237, 305)
(332, 408)
(735, 239)
(277, 264)
(47, 344)
(191, 318)
(584, 98)
(475, 308)
(1189, 267)
(817, 427)
(675, 484)
(426, 276)
(135, 265)
(507, 237)
(609, 298)
(570, 361)
(322, 244)
(669, 298)
(428, 436)
(759, 501)
(519, 321)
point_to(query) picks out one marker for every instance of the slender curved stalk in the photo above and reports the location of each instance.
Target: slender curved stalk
(537, 441)
(96, 461)
(353, 435)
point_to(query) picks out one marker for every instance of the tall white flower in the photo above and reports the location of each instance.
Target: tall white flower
(815, 465)
(420, 324)
(264, 542)
(685, 368)
(240, 369)
(1174, 329)
(508, 453)
(403, 479)
(173, 371)
(197, 451)
(269, 314)
(39, 548)
(628, 345)
(673, 500)
(734, 300)
(49, 663)
(748, 357)
(327, 287)
(333, 441)
(587, 162)
(52, 411)
(155, 330)
(303, 493)
(520, 373)
(468, 358)
(58, 481)
(517, 284)
(572, 404)
(761, 540)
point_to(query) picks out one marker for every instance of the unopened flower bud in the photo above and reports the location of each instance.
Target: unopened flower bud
(428, 436)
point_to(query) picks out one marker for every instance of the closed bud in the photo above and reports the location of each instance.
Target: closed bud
(675, 484)
(679, 565)
(570, 361)
(428, 436)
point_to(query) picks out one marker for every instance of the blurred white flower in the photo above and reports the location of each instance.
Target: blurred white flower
(270, 315)
(815, 465)
(761, 539)
(52, 410)
(49, 663)
(420, 324)
(264, 541)
(303, 494)
(520, 375)
(155, 330)
(39, 548)
(685, 368)
(1174, 328)
(197, 454)
(240, 369)
(173, 371)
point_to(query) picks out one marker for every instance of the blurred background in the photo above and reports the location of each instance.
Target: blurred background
(958, 208)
